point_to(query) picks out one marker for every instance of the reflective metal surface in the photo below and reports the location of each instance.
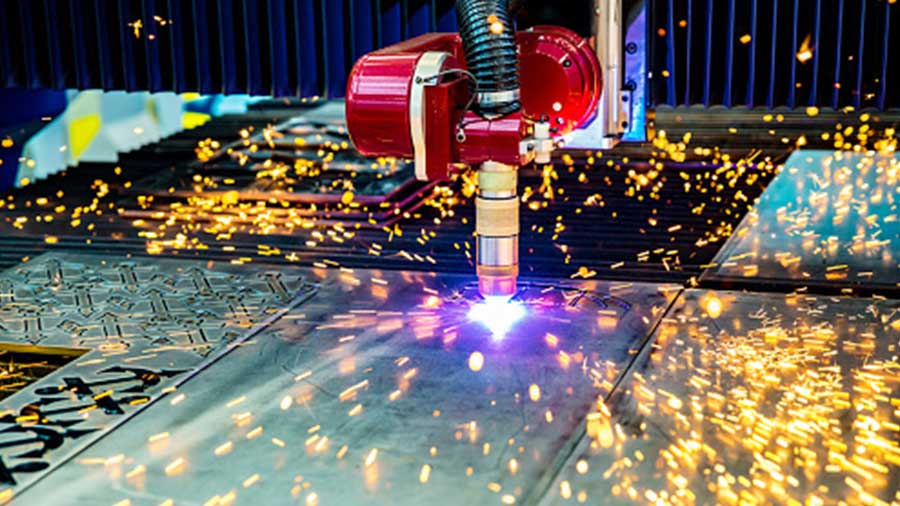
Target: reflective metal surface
(497, 250)
(137, 324)
(828, 217)
(750, 399)
(381, 389)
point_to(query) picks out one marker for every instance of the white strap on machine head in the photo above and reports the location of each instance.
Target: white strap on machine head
(427, 69)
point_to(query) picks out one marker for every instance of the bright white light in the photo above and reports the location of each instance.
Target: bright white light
(498, 314)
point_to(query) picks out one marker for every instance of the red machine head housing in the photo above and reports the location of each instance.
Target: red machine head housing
(412, 100)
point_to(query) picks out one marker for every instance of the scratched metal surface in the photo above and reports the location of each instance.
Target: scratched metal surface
(370, 393)
(142, 323)
(776, 400)
(828, 217)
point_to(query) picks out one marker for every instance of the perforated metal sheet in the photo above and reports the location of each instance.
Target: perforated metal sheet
(141, 322)
(379, 390)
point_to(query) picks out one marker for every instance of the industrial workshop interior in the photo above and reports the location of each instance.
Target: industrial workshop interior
(426, 252)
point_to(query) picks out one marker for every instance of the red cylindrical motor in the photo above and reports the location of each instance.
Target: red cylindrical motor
(379, 92)
(378, 104)
(560, 82)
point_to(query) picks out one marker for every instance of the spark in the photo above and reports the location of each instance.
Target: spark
(370, 458)
(805, 53)
(424, 473)
(175, 467)
(476, 361)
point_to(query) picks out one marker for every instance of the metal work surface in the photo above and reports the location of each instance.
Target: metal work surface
(127, 328)
(827, 218)
(751, 399)
(381, 389)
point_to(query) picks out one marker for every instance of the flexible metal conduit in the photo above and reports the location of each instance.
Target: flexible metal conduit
(489, 42)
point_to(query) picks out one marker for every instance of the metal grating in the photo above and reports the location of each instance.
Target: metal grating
(752, 53)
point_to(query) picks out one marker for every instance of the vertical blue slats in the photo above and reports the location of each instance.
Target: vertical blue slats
(7, 79)
(857, 101)
(729, 56)
(202, 46)
(278, 48)
(708, 74)
(175, 53)
(363, 30)
(670, 55)
(351, 26)
(841, 70)
(751, 77)
(125, 43)
(151, 47)
(306, 47)
(77, 52)
(688, 51)
(419, 20)
(838, 56)
(885, 45)
(376, 22)
(226, 47)
(792, 84)
(107, 77)
(256, 82)
(390, 23)
(770, 98)
(446, 19)
(54, 59)
(336, 57)
(25, 23)
(432, 15)
(817, 41)
(404, 19)
(309, 70)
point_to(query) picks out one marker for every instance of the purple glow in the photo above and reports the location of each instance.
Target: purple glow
(498, 314)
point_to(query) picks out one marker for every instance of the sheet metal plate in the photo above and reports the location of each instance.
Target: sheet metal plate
(141, 322)
(776, 400)
(372, 393)
(828, 217)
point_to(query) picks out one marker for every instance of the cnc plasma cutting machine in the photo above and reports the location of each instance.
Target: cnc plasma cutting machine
(488, 97)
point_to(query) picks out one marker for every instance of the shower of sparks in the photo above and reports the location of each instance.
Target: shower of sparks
(800, 408)
(215, 211)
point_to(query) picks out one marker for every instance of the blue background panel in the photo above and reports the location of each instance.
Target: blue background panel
(745, 53)
(257, 47)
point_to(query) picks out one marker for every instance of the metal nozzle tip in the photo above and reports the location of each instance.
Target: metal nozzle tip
(497, 286)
